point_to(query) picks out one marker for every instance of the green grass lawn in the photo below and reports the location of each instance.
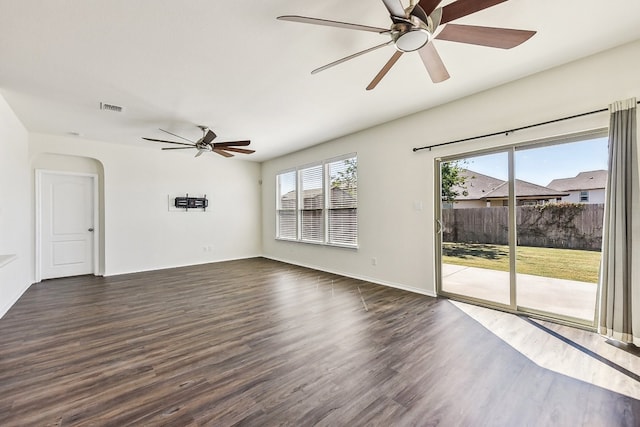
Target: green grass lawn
(558, 263)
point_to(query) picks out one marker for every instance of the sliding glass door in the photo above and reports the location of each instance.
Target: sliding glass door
(521, 228)
(475, 230)
(560, 240)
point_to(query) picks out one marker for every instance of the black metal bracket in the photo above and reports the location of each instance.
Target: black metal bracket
(187, 202)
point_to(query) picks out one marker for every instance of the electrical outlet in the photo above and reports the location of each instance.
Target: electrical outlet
(374, 261)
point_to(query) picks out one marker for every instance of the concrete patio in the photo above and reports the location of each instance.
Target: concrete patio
(565, 297)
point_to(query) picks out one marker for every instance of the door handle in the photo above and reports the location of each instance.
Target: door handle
(439, 224)
(91, 229)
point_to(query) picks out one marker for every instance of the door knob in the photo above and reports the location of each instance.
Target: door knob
(91, 229)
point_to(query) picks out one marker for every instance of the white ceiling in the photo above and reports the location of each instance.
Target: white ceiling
(174, 64)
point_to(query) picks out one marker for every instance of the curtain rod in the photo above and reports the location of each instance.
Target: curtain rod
(507, 132)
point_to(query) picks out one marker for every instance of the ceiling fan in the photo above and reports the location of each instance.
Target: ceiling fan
(206, 143)
(414, 29)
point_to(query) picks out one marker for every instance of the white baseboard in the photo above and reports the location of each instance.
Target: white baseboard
(4, 309)
(354, 276)
(118, 273)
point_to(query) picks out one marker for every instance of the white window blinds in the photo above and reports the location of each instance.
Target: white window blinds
(312, 204)
(318, 203)
(343, 201)
(287, 206)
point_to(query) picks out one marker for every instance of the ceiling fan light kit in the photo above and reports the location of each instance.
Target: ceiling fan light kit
(408, 39)
(416, 27)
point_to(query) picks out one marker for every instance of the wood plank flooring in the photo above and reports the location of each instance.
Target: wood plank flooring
(259, 343)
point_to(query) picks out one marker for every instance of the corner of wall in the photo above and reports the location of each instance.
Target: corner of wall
(15, 229)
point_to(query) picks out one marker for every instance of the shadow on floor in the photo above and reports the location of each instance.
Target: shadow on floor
(588, 352)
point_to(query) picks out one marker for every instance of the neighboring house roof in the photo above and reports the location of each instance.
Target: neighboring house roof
(525, 189)
(590, 180)
(476, 185)
(481, 187)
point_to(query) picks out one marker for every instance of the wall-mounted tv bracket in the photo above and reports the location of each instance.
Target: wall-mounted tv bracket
(187, 202)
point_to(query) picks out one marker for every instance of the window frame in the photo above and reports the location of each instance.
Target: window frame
(301, 199)
(326, 193)
(278, 205)
(584, 196)
(329, 198)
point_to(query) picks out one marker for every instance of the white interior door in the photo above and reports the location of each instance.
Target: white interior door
(67, 228)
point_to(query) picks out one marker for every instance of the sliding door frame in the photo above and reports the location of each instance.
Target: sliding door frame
(512, 307)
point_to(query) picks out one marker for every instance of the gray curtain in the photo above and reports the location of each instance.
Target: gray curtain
(619, 317)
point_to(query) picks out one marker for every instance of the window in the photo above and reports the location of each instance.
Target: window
(343, 202)
(318, 203)
(312, 203)
(286, 206)
(584, 196)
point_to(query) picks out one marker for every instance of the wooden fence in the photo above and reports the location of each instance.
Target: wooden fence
(563, 225)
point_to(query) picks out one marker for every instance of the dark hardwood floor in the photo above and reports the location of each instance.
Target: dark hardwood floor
(260, 343)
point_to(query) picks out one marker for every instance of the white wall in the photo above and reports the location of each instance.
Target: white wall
(15, 208)
(595, 196)
(139, 231)
(392, 177)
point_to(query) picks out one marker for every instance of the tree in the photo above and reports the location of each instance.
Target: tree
(452, 180)
(347, 179)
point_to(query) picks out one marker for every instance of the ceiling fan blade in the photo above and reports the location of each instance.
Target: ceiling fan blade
(209, 136)
(432, 61)
(503, 38)
(429, 5)
(231, 144)
(177, 148)
(168, 142)
(395, 8)
(222, 153)
(462, 8)
(346, 58)
(328, 23)
(199, 153)
(238, 150)
(177, 136)
(384, 70)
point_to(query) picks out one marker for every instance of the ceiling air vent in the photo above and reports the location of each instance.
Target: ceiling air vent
(111, 107)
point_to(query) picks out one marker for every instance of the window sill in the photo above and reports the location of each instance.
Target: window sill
(334, 245)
